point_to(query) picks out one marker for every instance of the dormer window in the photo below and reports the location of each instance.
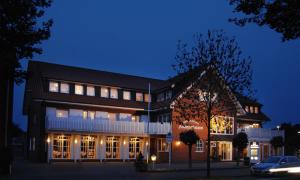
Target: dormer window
(104, 92)
(247, 108)
(64, 88)
(53, 86)
(251, 109)
(90, 90)
(126, 95)
(147, 97)
(78, 89)
(160, 97)
(256, 110)
(169, 94)
(113, 93)
(139, 96)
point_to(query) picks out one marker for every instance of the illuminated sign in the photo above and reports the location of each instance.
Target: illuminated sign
(192, 124)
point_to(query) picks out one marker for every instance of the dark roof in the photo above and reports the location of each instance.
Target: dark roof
(76, 74)
(252, 116)
(247, 100)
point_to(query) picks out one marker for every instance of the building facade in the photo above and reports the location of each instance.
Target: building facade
(77, 114)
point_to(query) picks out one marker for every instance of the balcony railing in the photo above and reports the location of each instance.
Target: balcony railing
(261, 133)
(105, 126)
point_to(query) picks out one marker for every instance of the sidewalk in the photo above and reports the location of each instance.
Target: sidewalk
(195, 166)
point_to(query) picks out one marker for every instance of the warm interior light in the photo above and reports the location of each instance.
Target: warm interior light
(178, 143)
(147, 143)
(48, 140)
(101, 141)
(75, 141)
(124, 142)
(153, 158)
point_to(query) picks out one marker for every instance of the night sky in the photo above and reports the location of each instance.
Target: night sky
(140, 37)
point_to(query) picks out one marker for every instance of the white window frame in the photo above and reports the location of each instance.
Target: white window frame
(55, 84)
(79, 85)
(199, 146)
(90, 91)
(104, 90)
(139, 94)
(115, 92)
(162, 145)
(225, 133)
(67, 86)
(127, 93)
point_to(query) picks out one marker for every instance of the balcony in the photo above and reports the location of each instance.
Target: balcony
(261, 133)
(78, 124)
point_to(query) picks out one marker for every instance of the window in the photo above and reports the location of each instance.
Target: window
(104, 92)
(251, 109)
(147, 98)
(112, 116)
(90, 90)
(135, 118)
(125, 117)
(53, 86)
(84, 114)
(160, 97)
(163, 118)
(91, 115)
(61, 147)
(256, 110)
(88, 148)
(126, 95)
(139, 96)
(162, 145)
(62, 113)
(78, 89)
(33, 144)
(199, 146)
(169, 94)
(113, 93)
(64, 88)
(221, 125)
(247, 108)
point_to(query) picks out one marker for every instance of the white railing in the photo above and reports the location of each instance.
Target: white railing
(261, 133)
(98, 125)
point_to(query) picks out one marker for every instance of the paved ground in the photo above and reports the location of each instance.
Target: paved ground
(89, 171)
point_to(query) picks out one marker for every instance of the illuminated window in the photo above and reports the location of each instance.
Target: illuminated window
(135, 118)
(247, 108)
(112, 116)
(62, 113)
(162, 145)
(125, 117)
(90, 90)
(147, 98)
(79, 89)
(256, 110)
(88, 148)
(126, 95)
(53, 86)
(91, 115)
(104, 92)
(61, 147)
(64, 88)
(251, 109)
(113, 93)
(84, 114)
(221, 125)
(199, 146)
(139, 96)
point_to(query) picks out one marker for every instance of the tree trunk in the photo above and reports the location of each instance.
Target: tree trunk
(208, 146)
(190, 156)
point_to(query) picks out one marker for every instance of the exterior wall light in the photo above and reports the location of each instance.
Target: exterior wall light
(101, 141)
(153, 159)
(48, 140)
(75, 141)
(178, 143)
(124, 142)
(147, 143)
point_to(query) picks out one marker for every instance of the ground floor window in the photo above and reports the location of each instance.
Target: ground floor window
(88, 148)
(112, 147)
(162, 145)
(199, 146)
(135, 147)
(61, 147)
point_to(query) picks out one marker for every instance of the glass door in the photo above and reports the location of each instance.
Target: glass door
(225, 151)
(61, 147)
(135, 147)
(113, 148)
(88, 148)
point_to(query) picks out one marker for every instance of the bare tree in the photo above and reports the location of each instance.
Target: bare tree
(210, 72)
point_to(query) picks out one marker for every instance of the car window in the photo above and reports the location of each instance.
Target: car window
(293, 159)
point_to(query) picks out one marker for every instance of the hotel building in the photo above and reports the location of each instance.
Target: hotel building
(77, 114)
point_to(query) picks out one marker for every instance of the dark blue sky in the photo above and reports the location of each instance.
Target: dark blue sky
(139, 38)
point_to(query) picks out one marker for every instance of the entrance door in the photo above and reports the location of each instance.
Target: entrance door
(225, 151)
(135, 147)
(61, 147)
(113, 148)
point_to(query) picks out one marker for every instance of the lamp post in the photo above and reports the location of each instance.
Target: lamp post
(278, 127)
(153, 159)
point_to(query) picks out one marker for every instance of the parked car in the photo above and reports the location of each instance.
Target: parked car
(263, 167)
(292, 168)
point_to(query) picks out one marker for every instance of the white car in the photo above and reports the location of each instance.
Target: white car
(263, 167)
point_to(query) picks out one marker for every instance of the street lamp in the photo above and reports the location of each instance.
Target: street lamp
(153, 159)
(278, 127)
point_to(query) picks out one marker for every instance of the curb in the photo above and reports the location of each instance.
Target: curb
(162, 170)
